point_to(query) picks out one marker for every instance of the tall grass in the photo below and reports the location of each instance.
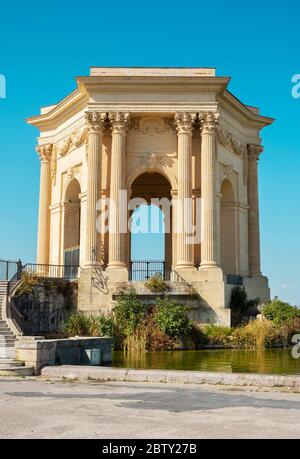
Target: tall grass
(258, 334)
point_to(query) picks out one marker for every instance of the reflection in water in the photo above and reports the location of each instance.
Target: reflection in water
(270, 361)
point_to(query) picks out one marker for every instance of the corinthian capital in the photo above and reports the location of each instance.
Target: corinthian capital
(95, 121)
(44, 151)
(185, 122)
(208, 122)
(119, 122)
(254, 151)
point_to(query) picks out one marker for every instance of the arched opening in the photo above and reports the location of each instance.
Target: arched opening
(72, 220)
(150, 244)
(228, 229)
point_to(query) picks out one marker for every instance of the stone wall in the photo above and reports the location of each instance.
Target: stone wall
(45, 304)
(38, 352)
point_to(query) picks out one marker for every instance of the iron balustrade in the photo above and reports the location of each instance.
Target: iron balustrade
(10, 269)
(142, 270)
(51, 271)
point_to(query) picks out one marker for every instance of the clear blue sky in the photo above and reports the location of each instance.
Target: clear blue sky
(43, 46)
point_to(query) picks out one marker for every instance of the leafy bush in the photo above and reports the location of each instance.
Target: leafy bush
(217, 334)
(101, 325)
(172, 318)
(156, 284)
(278, 311)
(128, 313)
(78, 324)
(238, 300)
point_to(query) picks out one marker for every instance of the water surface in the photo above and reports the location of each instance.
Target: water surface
(270, 361)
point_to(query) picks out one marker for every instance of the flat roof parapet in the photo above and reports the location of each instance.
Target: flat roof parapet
(153, 71)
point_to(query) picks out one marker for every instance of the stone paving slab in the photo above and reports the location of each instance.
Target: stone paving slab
(171, 376)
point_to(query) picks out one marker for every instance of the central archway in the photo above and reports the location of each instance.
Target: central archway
(150, 238)
(71, 226)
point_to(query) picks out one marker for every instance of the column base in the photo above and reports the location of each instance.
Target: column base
(180, 266)
(209, 265)
(117, 273)
(92, 264)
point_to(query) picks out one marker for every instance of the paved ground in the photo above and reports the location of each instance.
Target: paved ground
(43, 409)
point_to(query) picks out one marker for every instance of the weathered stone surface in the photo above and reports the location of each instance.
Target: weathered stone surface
(72, 351)
(170, 376)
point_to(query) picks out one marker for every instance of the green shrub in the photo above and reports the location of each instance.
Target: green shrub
(217, 334)
(101, 325)
(172, 318)
(238, 300)
(78, 324)
(128, 313)
(278, 311)
(156, 284)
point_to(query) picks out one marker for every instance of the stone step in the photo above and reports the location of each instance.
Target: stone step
(7, 352)
(6, 332)
(10, 362)
(8, 343)
(7, 339)
(16, 371)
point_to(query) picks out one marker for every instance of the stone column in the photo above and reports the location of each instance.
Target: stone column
(43, 244)
(117, 255)
(253, 214)
(95, 122)
(184, 123)
(209, 244)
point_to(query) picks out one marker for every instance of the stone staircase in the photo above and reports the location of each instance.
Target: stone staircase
(9, 366)
(3, 292)
(13, 367)
(7, 338)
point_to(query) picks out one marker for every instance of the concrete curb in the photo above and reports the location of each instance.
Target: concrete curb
(171, 376)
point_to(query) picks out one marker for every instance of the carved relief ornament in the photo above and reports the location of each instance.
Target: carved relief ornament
(254, 151)
(75, 139)
(185, 122)
(151, 125)
(208, 122)
(45, 151)
(151, 160)
(119, 122)
(95, 121)
(228, 140)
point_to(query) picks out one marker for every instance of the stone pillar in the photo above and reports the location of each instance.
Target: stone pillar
(209, 244)
(117, 253)
(43, 244)
(253, 215)
(95, 122)
(184, 122)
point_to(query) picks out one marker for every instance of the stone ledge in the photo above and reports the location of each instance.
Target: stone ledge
(74, 351)
(170, 376)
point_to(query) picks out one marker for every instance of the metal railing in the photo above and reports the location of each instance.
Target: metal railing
(12, 270)
(51, 271)
(142, 270)
(9, 269)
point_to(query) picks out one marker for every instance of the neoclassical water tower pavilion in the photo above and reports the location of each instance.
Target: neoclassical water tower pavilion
(176, 134)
